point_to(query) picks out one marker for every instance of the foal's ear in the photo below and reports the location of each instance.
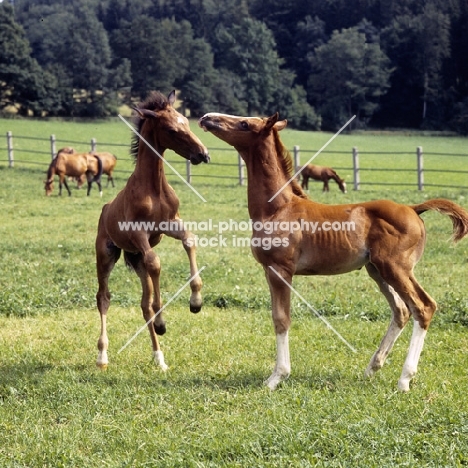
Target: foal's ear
(143, 113)
(272, 122)
(280, 125)
(171, 98)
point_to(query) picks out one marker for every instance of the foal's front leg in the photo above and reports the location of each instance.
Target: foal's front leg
(188, 241)
(281, 304)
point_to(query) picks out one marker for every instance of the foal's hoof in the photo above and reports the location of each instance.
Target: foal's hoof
(195, 309)
(160, 329)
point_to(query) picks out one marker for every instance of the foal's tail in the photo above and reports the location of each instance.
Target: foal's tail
(456, 213)
(97, 177)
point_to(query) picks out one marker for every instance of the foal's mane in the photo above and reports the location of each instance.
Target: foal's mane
(156, 101)
(286, 162)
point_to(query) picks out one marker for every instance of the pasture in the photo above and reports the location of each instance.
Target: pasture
(210, 409)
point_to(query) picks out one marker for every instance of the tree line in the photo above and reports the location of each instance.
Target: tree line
(392, 63)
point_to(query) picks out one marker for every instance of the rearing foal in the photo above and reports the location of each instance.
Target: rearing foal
(148, 198)
(388, 239)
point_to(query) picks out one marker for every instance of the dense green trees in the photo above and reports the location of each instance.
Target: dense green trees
(23, 83)
(348, 76)
(395, 63)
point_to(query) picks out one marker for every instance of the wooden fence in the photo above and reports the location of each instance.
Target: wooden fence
(240, 177)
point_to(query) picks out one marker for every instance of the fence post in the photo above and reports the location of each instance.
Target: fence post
(357, 179)
(11, 159)
(297, 159)
(241, 169)
(93, 145)
(188, 171)
(53, 149)
(419, 157)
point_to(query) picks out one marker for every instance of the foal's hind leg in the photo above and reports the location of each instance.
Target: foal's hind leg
(148, 268)
(106, 256)
(400, 318)
(422, 307)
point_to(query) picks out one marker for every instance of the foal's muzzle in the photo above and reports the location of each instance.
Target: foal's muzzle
(199, 158)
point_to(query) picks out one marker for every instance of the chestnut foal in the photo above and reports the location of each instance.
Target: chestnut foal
(388, 239)
(148, 198)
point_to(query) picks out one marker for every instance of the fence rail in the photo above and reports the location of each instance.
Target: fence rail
(355, 168)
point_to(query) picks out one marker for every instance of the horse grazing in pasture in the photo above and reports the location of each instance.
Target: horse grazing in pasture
(388, 239)
(148, 197)
(109, 162)
(321, 173)
(68, 163)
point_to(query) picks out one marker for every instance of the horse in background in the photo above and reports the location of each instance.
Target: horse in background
(323, 174)
(109, 162)
(148, 198)
(385, 237)
(68, 163)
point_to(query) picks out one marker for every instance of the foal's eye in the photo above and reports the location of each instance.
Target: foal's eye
(244, 125)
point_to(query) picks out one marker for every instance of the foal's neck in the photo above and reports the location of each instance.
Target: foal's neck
(149, 166)
(266, 177)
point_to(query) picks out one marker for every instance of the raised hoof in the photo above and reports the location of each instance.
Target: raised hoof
(160, 329)
(195, 309)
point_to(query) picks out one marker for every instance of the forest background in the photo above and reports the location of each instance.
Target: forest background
(393, 63)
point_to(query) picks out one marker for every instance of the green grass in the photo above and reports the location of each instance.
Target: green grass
(211, 409)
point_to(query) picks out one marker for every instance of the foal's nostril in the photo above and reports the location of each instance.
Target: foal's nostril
(199, 158)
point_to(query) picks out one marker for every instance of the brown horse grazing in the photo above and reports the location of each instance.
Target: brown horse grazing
(76, 165)
(321, 173)
(148, 198)
(109, 162)
(310, 238)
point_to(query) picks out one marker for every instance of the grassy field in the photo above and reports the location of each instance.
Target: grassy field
(210, 409)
